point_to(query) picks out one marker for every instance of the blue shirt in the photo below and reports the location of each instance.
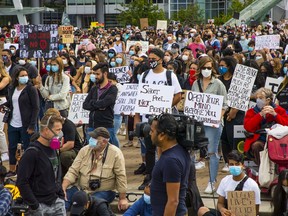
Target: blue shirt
(140, 207)
(5, 201)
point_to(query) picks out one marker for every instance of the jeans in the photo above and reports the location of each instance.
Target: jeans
(117, 125)
(57, 208)
(15, 136)
(111, 133)
(143, 147)
(213, 135)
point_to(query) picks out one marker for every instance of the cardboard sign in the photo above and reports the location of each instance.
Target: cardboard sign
(38, 41)
(144, 23)
(161, 24)
(154, 99)
(76, 112)
(122, 73)
(241, 86)
(242, 203)
(267, 41)
(143, 44)
(67, 38)
(204, 107)
(126, 101)
(272, 84)
(65, 30)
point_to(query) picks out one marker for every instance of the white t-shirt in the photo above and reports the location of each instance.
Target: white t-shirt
(16, 120)
(228, 184)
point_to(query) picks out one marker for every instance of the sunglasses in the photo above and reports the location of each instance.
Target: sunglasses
(207, 68)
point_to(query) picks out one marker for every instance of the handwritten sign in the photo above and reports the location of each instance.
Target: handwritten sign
(267, 41)
(76, 113)
(122, 73)
(126, 101)
(272, 84)
(241, 87)
(144, 23)
(67, 34)
(161, 24)
(242, 203)
(154, 99)
(143, 44)
(204, 107)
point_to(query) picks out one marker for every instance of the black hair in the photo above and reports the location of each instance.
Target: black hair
(3, 172)
(7, 50)
(230, 62)
(268, 67)
(15, 81)
(279, 197)
(66, 55)
(227, 52)
(102, 66)
(236, 156)
(167, 124)
(283, 65)
(251, 43)
(157, 52)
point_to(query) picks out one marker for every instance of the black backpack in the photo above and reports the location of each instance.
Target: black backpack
(168, 77)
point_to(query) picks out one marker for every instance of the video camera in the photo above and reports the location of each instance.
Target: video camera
(190, 134)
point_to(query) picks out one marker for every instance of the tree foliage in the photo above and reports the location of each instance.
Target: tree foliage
(189, 16)
(131, 13)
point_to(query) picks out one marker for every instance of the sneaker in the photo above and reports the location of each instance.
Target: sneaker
(138, 145)
(210, 188)
(4, 157)
(199, 165)
(140, 169)
(225, 168)
(11, 174)
(128, 144)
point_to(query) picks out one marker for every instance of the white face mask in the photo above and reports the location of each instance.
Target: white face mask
(117, 38)
(184, 57)
(242, 37)
(87, 70)
(206, 73)
(64, 61)
(167, 58)
(22, 62)
(169, 38)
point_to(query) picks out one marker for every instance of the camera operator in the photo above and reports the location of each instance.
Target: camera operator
(170, 174)
(5, 195)
(98, 169)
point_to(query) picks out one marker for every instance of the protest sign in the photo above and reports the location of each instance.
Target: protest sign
(241, 86)
(204, 107)
(272, 84)
(126, 101)
(76, 112)
(122, 73)
(210, 21)
(67, 34)
(143, 44)
(267, 41)
(154, 99)
(7, 45)
(144, 23)
(242, 203)
(161, 24)
(239, 137)
(13, 33)
(38, 41)
(1, 48)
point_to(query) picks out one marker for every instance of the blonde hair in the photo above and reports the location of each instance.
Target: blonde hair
(59, 61)
(277, 67)
(3, 71)
(204, 60)
(123, 59)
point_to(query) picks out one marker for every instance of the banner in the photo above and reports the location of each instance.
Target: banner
(267, 41)
(122, 73)
(154, 99)
(242, 203)
(76, 112)
(161, 24)
(143, 44)
(272, 84)
(126, 101)
(144, 23)
(241, 86)
(38, 41)
(206, 108)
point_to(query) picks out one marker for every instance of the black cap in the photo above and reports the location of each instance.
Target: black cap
(100, 131)
(185, 48)
(175, 46)
(79, 201)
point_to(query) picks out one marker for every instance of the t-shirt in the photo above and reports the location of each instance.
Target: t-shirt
(172, 167)
(282, 96)
(16, 120)
(228, 184)
(70, 134)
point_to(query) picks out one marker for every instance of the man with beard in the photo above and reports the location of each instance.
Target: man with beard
(170, 174)
(100, 101)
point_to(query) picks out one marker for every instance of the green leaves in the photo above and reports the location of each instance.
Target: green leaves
(190, 16)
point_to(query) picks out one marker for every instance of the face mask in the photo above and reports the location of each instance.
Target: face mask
(48, 68)
(93, 78)
(23, 80)
(85, 41)
(111, 55)
(167, 58)
(147, 199)
(93, 142)
(131, 61)
(131, 52)
(223, 70)
(21, 62)
(55, 142)
(285, 188)
(219, 34)
(225, 39)
(117, 38)
(153, 64)
(184, 57)
(105, 50)
(119, 60)
(55, 68)
(169, 38)
(87, 70)
(235, 170)
(138, 76)
(12, 51)
(174, 51)
(242, 37)
(260, 103)
(33, 63)
(113, 64)
(64, 61)
(206, 73)
(258, 57)
(192, 34)
(179, 38)
(250, 49)
(285, 70)
(5, 59)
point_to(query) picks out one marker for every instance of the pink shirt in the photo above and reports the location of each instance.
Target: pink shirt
(89, 47)
(194, 46)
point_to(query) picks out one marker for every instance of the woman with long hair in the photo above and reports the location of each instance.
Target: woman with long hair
(279, 197)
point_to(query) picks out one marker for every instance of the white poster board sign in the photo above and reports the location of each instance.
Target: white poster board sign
(204, 107)
(161, 24)
(241, 86)
(267, 41)
(13, 33)
(154, 99)
(123, 73)
(76, 112)
(143, 44)
(272, 84)
(7, 45)
(126, 101)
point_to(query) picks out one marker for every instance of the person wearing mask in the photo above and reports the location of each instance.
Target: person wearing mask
(111, 53)
(70, 71)
(23, 102)
(232, 41)
(282, 92)
(175, 67)
(180, 40)
(191, 76)
(5, 195)
(86, 45)
(251, 50)
(197, 44)
(120, 60)
(279, 196)
(32, 70)
(175, 52)
(39, 172)
(87, 80)
(266, 70)
(119, 45)
(10, 66)
(56, 88)
(81, 59)
(13, 52)
(167, 57)
(213, 42)
(169, 41)
(187, 58)
(244, 42)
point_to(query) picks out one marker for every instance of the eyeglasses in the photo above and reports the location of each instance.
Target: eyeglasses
(207, 68)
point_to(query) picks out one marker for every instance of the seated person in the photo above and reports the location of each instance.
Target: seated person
(83, 204)
(5, 195)
(142, 206)
(264, 113)
(98, 169)
(232, 183)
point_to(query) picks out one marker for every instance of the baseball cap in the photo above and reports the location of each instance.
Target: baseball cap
(79, 201)
(100, 131)
(175, 46)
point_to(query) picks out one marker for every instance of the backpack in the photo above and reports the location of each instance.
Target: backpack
(277, 150)
(168, 77)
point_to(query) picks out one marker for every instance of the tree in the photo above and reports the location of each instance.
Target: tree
(131, 13)
(190, 16)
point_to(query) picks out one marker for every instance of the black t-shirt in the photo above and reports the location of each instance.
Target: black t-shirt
(226, 83)
(70, 134)
(71, 70)
(172, 167)
(52, 155)
(282, 96)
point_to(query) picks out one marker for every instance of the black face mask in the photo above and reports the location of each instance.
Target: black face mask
(110, 42)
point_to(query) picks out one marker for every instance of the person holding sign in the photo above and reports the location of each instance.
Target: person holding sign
(208, 83)
(237, 181)
(282, 92)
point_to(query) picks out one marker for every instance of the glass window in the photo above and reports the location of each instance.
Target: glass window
(173, 7)
(71, 2)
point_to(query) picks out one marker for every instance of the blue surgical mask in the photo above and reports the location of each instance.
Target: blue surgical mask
(113, 64)
(93, 142)
(285, 70)
(111, 55)
(258, 57)
(55, 68)
(131, 61)
(33, 63)
(147, 199)
(23, 80)
(250, 49)
(119, 60)
(223, 70)
(48, 68)
(93, 78)
(260, 103)
(235, 170)
(138, 76)
(131, 52)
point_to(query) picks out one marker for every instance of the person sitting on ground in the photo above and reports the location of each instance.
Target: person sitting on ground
(5, 195)
(263, 115)
(237, 181)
